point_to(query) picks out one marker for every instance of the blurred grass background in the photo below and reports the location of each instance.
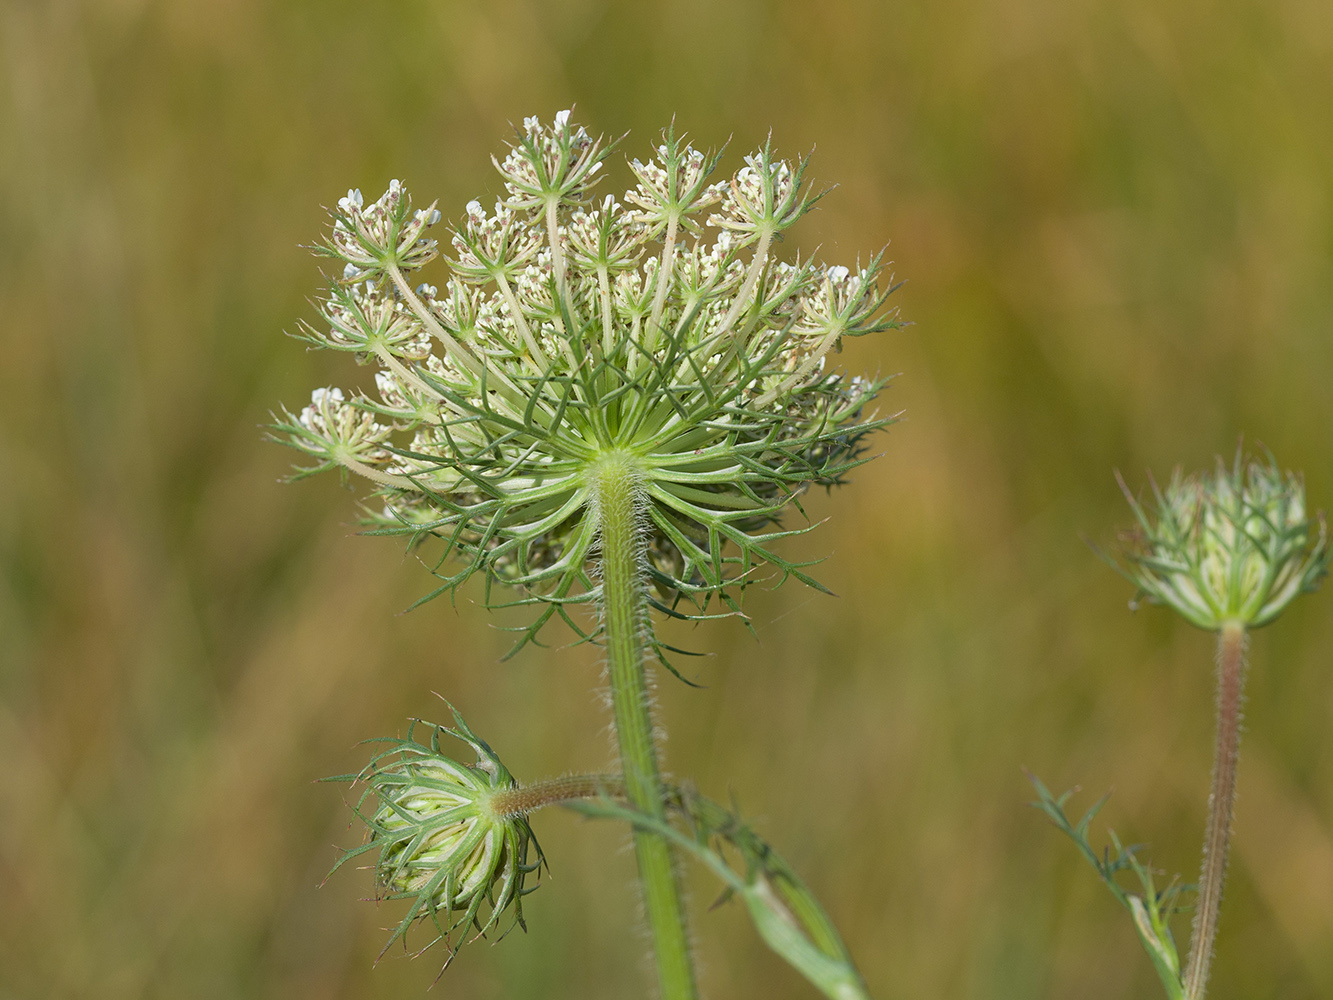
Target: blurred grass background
(1116, 222)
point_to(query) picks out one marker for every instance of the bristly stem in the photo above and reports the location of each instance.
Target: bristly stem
(615, 486)
(1231, 646)
(528, 798)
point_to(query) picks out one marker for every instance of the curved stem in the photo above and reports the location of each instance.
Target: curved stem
(663, 279)
(535, 352)
(747, 288)
(456, 352)
(616, 487)
(406, 375)
(826, 343)
(1231, 646)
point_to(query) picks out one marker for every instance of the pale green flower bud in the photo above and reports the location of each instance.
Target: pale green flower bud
(446, 836)
(494, 246)
(1235, 546)
(605, 237)
(763, 198)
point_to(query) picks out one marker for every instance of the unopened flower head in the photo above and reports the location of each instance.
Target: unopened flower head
(1234, 546)
(655, 331)
(444, 837)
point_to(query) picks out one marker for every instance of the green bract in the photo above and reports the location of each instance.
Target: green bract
(655, 334)
(1234, 546)
(444, 839)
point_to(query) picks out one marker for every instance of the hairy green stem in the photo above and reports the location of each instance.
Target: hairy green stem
(520, 800)
(1231, 645)
(616, 487)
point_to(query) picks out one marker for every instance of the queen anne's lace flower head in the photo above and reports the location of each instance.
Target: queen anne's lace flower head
(656, 328)
(1232, 547)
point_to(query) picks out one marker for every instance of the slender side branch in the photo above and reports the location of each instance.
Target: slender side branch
(453, 349)
(747, 288)
(1231, 647)
(523, 799)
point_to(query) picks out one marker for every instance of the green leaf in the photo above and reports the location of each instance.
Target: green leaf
(784, 912)
(1151, 909)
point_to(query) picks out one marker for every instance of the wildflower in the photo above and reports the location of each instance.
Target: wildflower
(654, 332)
(1234, 546)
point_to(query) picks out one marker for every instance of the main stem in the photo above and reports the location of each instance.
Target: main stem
(1231, 645)
(624, 605)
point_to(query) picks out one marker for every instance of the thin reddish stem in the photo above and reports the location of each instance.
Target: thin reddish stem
(1231, 646)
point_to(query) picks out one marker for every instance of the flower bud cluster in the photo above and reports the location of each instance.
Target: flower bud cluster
(388, 230)
(550, 165)
(337, 433)
(361, 320)
(1234, 546)
(656, 328)
(442, 837)
(679, 190)
(764, 197)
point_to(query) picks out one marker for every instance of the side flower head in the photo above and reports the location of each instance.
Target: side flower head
(444, 837)
(655, 334)
(1234, 546)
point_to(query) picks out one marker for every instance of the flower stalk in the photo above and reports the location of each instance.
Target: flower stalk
(1232, 641)
(616, 497)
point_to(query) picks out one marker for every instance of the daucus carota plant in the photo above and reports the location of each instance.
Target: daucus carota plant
(606, 401)
(1229, 551)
